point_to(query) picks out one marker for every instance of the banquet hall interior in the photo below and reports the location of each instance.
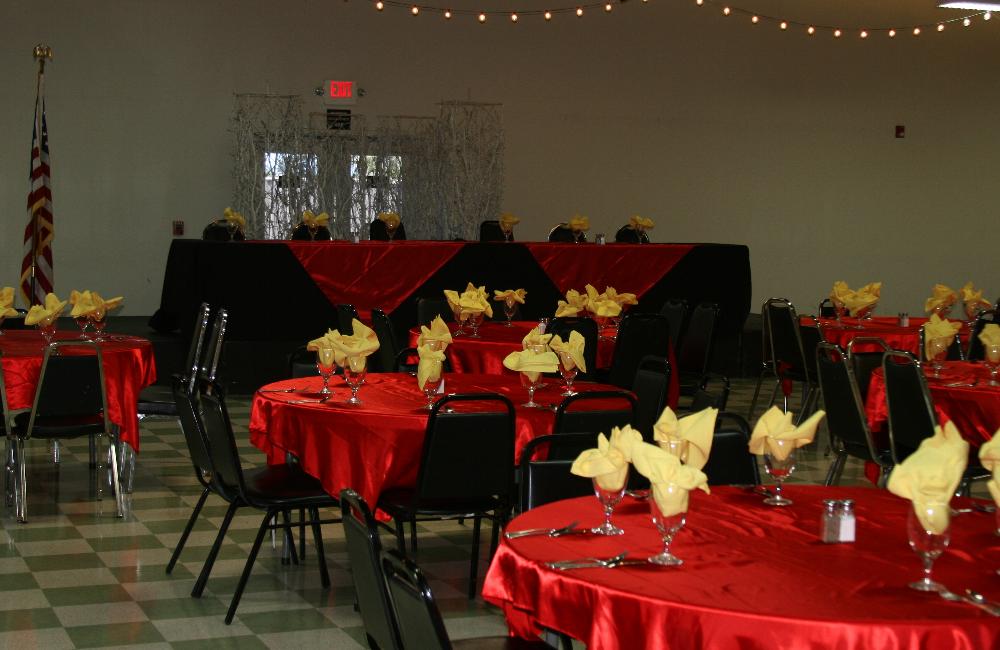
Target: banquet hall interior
(766, 149)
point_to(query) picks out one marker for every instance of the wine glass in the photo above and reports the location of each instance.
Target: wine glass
(47, 326)
(972, 309)
(779, 469)
(432, 385)
(509, 307)
(98, 320)
(568, 370)
(840, 309)
(942, 310)
(326, 366)
(926, 543)
(991, 359)
(475, 320)
(937, 350)
(602, 325)
(355, 369)
(531, 385)
(609, 498)
(676, 447)
(668, 526)
(460, 318)
(862, 314)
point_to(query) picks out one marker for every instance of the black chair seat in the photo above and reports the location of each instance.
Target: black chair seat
(58, 426)
(399, 501)
(274, 485)
(500, 643)
(157, 400)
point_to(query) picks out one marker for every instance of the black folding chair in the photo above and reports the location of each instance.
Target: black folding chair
(429, 308)
(676, 311)
(574, 416)
(490, 231)
(301, 232)
(864, 363)
(651, 388)
(377, 231)
(345, 319)
(695, 352)
(563, 233)
(911, 412)
(159, 400)
(629, 235)
(787, 355)
(384, 360)
(639, 335)
(548, 480)
(731, 462)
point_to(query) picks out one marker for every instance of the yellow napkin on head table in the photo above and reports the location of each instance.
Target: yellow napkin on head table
(452, 298)
(90, 303)
(46, 313)
(855, 301)
(82, 301)
(573, 305)
(671, 481)
(325, 349)
(532, 364)
(696, 429)
(438, 331)
(973, 299)
(775, 425)
(990, 335)
(873, 288)
(936, 329)
(840, 292)
(572, 348)
(989, 455)
(535, 338)
(640, 223)
(578, 223)
(474, 301)
(508, 221)
(356, 347)
(931, 474)
(429, 366)
(7, 302)
(315, 220)
(235, 218)
(390, 219)
(517, 295)
(621, 298)
(607, 465)
(605, 308)
(942, 296)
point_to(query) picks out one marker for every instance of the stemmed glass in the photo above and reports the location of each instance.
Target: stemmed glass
(509, 307)
(326, 366)
(972, 310)
(942, 310)
(928, 544)
(862, 314)
(676, 447)
(991, 359)
(355, 369)
(47, 327)
(99, 319)
(83, 322)
(937, 350)
(602, 324)
(531, 385)
(609, 499)
(668, 526)
(460, 318)
(475, 320)
(431, 387)
(568, 370)
(841, 310)
(780, 469)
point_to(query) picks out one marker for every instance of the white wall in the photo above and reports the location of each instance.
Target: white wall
(719, 130)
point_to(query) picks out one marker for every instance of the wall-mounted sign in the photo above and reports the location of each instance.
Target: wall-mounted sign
(340, 92)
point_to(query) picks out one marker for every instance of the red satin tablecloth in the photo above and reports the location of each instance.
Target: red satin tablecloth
(378, 444)
(754, 577)
(129, 367)
(886, 328)
(975, 410)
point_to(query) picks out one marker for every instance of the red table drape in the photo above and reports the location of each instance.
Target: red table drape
(378, 445)
(975, 410)
(753, 578)
(883, 327)
(129, 367)
(627, 268)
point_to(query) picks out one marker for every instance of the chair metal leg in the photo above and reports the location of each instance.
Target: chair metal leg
(20, 489)
(187, 531)
(413, 536)
(56, 452)
(93, 452)
(497, 523)
(477, 522)
(9, 479)
(289, 543)
(302, 534)
(199, 585)
(241, 585)
(115, 482)
(836, 469)
(756, 394)
(400, 537)
(324, 573)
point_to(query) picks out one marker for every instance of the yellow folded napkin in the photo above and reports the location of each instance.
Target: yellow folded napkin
(508, 221)
(325, 349)
(390, 219)
(532, 364)
(640, 223)
(572, 349)
(855, 301)
(535, 338)
(840, 293)
(990, 335)
(438, 331)
(696, 429)
(607, 465)
(989, 455)
(315, 220)
(429, 366)
(235, 218)
(578, 223)
(452, 298)
(973, 300)
(573, 305)
(516, 295)
(775, 425)
(474, 301)
(604, 308)
(938, 329)
(83, 303)
(671, 481)
(930, 475)
(47, 313)
(626, 440)
(356, 347)
(7, 302)
(102, 306)
(942, 297)
(874, 288)
(621, 298)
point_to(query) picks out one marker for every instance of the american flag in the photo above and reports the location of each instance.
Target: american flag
(39, 232)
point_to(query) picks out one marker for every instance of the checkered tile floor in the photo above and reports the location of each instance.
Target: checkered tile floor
(77, 577)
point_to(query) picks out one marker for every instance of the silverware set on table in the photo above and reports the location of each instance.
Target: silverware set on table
(973, 598)
(320, 400)
(615, 561)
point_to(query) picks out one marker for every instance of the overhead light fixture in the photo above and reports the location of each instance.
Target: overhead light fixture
(966, 4)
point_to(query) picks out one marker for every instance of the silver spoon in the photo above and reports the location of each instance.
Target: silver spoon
(979, 599)
(550, 532)
(589, 562)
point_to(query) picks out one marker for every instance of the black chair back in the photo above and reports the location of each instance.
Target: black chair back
(15, 323)
(563, 233)
(545, 481)
(222, 230)
(490, 230)
(731, 462)
(420, 623)
(587, 328)
(197, 344)
(955, 351)
(628, 235)
(695, 353)
(70, 387)
(384, 360)
(785, 339)
(863, 363)
(227, 471)
(911, 412)
(651, 387)
(984, 318)
(213, 348)
(571, 418)
(301, 232)
(826, 309)
(378, 232)
(467, 454)
(845, 412)
(639, 335)
(364, 552)
(430, 308)
(345, 319)
(188, 405)
(302, 363)
(676, 311)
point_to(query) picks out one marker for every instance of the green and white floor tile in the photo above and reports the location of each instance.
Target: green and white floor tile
(77, 577)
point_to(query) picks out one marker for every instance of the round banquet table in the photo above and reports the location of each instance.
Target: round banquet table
(886, 328)
(753, 577)
(129, 367)
(377, 445)
(975, 410)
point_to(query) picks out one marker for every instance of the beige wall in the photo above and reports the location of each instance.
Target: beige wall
(718, 130)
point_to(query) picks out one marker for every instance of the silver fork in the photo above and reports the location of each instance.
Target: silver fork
(951, 596)
(550, 532)
(589, 563)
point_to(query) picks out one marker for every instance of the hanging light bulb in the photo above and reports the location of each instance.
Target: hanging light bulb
(607, 7)
(482, 18)
(783, 25)
(379, 5)
(864, 34)
(726, 11)
(754, 19)
(892, 33)
(447, 14)
(916, 31)
(414, 10)
(513, 18)
(548, 15)
(579, 11)
(811, 30)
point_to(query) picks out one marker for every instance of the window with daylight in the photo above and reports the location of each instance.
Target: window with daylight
(290, 187)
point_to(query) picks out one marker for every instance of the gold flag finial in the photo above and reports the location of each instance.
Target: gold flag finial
(42, 54)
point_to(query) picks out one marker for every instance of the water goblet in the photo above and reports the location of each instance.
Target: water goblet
(460, 319)
(475, 320)
(47, 327)
(326, 366)
(83, 322)
(432, 386)
(609, 498)
(840, 309)
(668, 526)
(568, 370)
(991, 359)
(602, 325)
(926, 543)
(942, 310)
(530, 380)
(972, 310)
(779, 466)
(862, 314)
(937, 351)
(676, 447)
(98, 320)
(509, 307)
(355, 369)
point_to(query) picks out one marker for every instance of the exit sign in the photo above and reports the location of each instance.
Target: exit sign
(340, 92)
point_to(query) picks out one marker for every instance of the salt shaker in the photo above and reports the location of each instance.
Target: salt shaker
(600, 238)
(847, 521)
(829, 529)
(904, 319)
(542, 324)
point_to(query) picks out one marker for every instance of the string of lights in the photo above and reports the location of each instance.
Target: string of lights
(725, 9)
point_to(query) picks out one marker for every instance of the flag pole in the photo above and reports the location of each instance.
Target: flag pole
(41, 53)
